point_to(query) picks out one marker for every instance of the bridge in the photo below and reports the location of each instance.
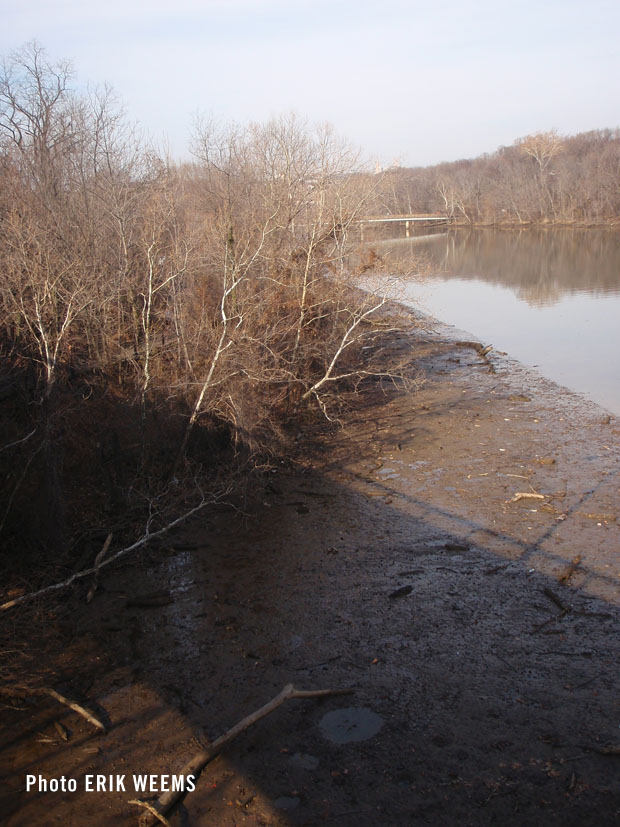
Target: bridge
(407, 219)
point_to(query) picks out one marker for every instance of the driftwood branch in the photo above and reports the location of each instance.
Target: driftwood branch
(481, 350)
(146, 538)
(22, 691)
(194, 767)
(85, 713)
(525, 495)
(557, 600)
(156, 816)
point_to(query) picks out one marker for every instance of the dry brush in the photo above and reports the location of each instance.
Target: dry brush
(156, 318)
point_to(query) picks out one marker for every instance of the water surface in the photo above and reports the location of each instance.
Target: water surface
(550, 298)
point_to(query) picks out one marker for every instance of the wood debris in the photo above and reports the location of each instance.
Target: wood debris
(557, 600)
(85, 713)
(194, 767)
(525, 495)
(570, 570)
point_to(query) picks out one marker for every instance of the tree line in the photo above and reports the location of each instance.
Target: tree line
(156, 317)
(543, 178)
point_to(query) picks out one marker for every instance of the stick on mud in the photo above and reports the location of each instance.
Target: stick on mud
(194, 767)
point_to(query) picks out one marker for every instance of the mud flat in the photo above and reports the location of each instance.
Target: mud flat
(453, 555)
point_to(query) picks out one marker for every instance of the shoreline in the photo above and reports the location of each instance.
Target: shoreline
(580, 431)
(512, 366)
(559, 332)
(396, 560)
(613, 224)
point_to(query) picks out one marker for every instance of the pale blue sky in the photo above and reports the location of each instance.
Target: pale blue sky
(416, 81)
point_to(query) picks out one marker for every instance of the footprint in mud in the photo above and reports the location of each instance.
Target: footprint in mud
(356, 723)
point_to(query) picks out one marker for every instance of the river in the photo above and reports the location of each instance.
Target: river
(549, 298)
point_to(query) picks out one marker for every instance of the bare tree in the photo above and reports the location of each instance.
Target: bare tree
(543, 147)
(153, 304)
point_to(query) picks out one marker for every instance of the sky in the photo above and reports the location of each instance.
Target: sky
(405, 81)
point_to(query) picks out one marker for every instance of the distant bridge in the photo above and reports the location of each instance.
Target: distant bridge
(407, 219)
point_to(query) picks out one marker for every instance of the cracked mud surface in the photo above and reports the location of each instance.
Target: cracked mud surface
(395, 563)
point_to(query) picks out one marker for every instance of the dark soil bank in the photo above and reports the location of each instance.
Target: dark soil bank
(479, 628)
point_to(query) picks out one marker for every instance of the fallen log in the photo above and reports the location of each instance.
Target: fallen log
(481, 350)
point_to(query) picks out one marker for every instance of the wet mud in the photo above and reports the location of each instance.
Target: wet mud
(479, 629)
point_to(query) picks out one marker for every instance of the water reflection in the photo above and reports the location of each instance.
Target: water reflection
(550, 298)
(540, 266)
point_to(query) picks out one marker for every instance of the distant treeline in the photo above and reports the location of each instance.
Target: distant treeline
(543, 178)
(152, 315)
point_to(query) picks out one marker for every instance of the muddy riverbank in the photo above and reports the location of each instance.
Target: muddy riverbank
(479, 628)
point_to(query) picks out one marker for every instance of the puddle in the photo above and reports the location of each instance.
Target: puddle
(388, 474)
(307, 762)
(357, 723)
